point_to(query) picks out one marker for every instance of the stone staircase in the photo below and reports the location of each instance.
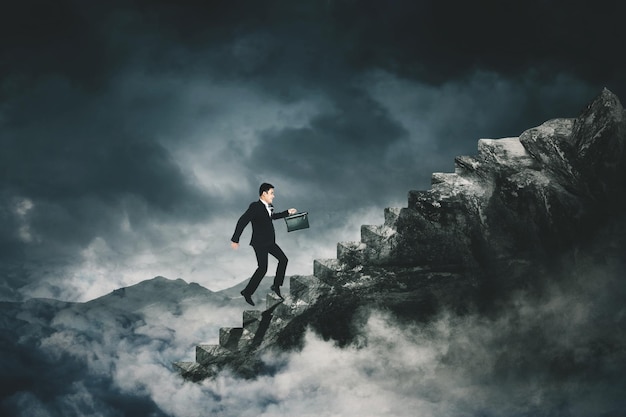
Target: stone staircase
(491, 222)
(240, 345)
(260, 328)
(439, 215)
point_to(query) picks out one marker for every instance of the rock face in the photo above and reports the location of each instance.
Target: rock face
(507, 216)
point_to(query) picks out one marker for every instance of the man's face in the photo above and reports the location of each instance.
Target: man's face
(268, 196)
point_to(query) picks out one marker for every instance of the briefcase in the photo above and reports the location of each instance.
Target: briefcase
(297, 221)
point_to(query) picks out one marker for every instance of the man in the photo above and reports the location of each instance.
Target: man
(261, 213)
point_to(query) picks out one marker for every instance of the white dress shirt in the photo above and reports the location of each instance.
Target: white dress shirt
(270, 208)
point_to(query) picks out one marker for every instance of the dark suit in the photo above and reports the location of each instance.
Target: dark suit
(263, 241)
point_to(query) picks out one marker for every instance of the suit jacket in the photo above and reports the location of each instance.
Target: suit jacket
(262, 227)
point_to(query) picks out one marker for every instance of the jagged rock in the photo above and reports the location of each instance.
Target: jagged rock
(501, 221)
(549, 144)
(599, 134)
(519, 197)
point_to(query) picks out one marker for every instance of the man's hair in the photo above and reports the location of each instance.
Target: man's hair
(265, 187)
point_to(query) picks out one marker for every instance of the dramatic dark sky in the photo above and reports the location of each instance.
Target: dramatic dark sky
(134, 133)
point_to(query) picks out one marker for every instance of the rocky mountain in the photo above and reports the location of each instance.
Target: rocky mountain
(524, 215)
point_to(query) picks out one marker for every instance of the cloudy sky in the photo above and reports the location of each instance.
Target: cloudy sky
(134, 133)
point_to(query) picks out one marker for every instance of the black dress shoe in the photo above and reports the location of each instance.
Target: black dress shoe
(248, 298)
(276, 289)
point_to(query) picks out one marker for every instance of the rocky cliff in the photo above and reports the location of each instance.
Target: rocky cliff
(521, 213)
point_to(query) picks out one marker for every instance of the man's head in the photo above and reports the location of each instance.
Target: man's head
(266, 192)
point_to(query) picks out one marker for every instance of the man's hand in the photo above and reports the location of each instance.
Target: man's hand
(292, 211)
(234, 245)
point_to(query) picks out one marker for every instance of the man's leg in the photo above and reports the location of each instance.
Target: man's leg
(278, 253)
(261, 258)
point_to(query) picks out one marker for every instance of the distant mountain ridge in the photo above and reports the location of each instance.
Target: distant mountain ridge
(44, 340)
(157, 290)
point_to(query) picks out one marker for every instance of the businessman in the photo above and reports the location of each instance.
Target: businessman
(261, 213)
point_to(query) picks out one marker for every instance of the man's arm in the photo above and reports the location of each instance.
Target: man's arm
(284, 213)
(241, 224)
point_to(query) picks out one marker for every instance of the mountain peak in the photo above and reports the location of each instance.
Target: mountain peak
(159, 290)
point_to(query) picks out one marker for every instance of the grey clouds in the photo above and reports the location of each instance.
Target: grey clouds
(126, 126)
(133, 134)
(557, 355)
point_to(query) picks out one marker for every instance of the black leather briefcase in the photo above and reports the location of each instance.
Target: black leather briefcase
(297, 221)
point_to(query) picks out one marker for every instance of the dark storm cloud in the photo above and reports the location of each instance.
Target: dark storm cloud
(346, 142)
(133, 134)
(438, 41)
(429, 40)
(39, 38)
(135, 131)
(80, 160)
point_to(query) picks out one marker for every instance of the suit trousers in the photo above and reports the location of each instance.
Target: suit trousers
(262, 253)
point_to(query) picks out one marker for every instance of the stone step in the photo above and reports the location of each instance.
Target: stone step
(232, 337)
(447, 187)
(466, 165)
(326, 270)
(306, 289)
(185, 367)
(430, 203)
(437, 178)
(506, 151)
(419, 198)
(251, 320)
(271, 300)
(209, 354)
(191, 371)
(391, 216)
(300, 286)
(351, 253)
(284, 312)
(376, 235)
(380, 242)
(441, 180)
